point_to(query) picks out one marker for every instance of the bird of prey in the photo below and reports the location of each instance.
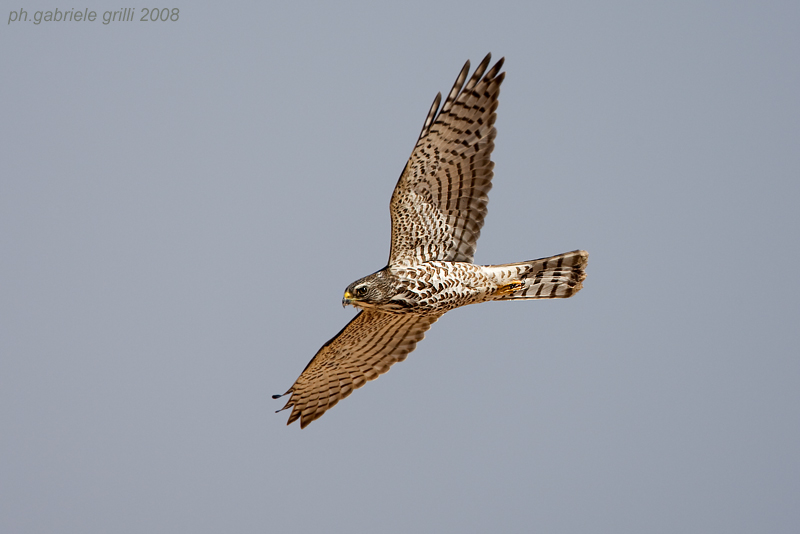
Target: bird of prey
(437, 210)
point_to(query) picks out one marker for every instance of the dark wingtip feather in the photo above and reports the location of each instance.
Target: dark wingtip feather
(497, 66)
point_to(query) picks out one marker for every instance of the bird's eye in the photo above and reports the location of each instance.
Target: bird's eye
(361, 291)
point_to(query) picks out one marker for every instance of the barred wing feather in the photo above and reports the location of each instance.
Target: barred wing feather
(439, 204)
(362, 351)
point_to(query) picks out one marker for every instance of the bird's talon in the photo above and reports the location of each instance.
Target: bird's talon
(507, 289)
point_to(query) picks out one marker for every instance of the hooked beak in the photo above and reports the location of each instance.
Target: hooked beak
(347, 299)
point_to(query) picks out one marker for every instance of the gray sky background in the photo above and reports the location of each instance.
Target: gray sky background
(183, 203)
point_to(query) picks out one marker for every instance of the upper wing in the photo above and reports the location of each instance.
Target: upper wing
(362, 351)
(439, 203)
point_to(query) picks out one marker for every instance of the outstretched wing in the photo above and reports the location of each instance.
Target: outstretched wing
(362, 351)
(439, 203)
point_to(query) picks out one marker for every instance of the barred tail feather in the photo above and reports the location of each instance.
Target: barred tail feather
(556, 277)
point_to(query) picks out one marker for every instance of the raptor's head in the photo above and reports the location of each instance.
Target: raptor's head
(371, 291)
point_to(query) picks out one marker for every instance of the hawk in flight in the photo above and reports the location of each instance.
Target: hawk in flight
(437, 210)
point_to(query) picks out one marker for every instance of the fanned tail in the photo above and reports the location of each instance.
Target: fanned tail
(556, 277)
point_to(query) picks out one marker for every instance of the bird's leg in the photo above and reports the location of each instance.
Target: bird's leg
(507, 289)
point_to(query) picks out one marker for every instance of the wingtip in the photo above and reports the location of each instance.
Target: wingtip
(494, 72)
(484, 62)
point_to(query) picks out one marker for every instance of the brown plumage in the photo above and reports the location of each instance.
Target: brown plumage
(437, 208)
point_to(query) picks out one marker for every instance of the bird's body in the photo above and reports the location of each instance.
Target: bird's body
(434, 287)
(437, 208)
(438, 286)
